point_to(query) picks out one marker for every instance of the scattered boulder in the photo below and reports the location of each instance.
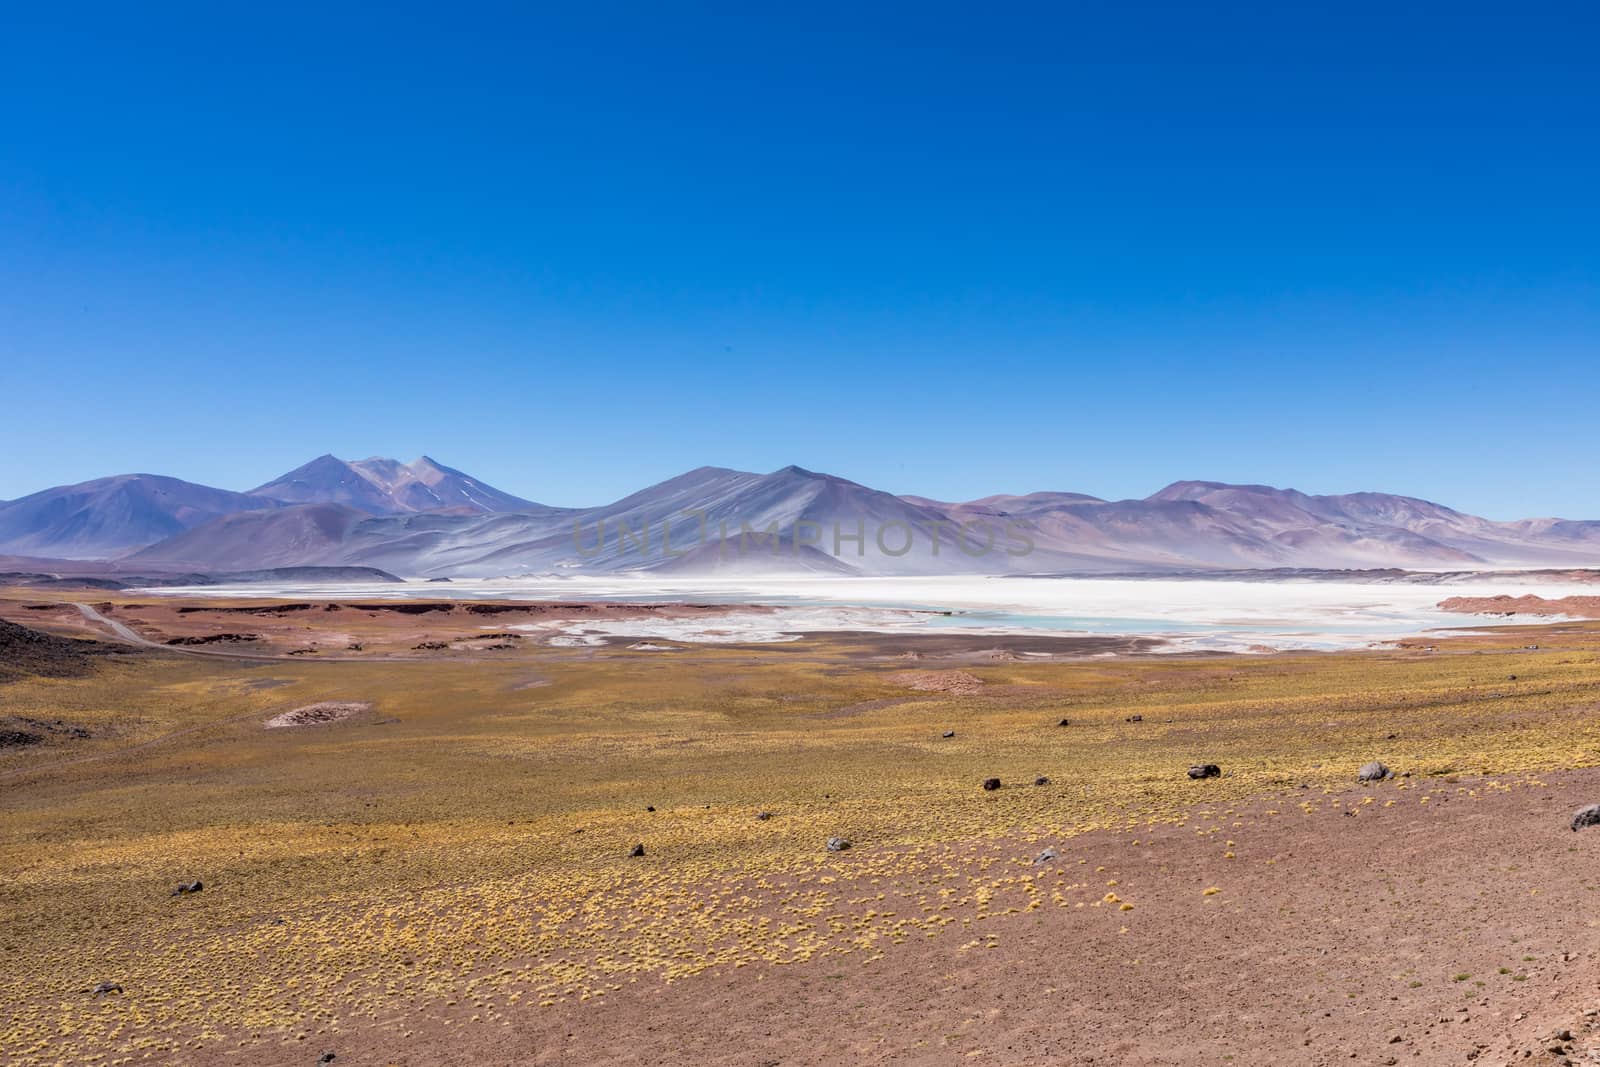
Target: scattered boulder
(1041, 780)
(329, 1057)
(1589, 816)
(1135, 718)
(188, 887)
(1205, 770)
(649, 807)
(763, 815)
(636, 851)
(1064, 722)
(19, 738)
(319, 714)
(838, 844)
(1372, 772)
(102, 988)
(991, 784)
(949, 733)
(1046, 856)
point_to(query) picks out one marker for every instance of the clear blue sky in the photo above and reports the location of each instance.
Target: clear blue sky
(941, 249)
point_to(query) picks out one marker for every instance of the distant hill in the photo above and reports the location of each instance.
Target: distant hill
(109, 516)
(409, 519)
(258, 540)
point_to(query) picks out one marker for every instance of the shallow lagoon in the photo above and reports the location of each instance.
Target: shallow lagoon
(1189, 614)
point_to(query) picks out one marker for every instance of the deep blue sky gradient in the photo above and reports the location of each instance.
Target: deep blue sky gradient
(941, 249)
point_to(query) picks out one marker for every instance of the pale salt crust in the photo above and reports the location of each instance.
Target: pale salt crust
(1185, 615)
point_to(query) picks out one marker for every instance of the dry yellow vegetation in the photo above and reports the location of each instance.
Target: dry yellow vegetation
(466, 842)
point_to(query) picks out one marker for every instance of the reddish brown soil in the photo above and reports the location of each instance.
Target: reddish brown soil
(339, 629)
(1463, 929)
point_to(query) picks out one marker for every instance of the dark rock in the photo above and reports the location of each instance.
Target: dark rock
(1064, 722)
(102, 988)
(19, 738)
(1046, 856)
(1589, 816)
(1041, 780)
(763, 815)
(212, 639)
(838, 844)
(991, 784)
(636, 851)
(188, 887)
(1511, 677)
(949, 733)
(649, 807)
(1205, 770)
(329, 1057)
(1135, 718)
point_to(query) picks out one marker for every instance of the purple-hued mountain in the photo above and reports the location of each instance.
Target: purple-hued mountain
(110, 516)
(425, 519)
(282, 537)
(381, 486)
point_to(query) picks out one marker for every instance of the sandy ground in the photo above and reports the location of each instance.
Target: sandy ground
(1578, 607)
(1428, 920)
(1340, 930)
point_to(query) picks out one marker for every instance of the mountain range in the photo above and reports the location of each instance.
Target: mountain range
(424, 519)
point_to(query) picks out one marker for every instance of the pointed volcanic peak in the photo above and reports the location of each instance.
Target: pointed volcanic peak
(736, 498)
(381, 486)
(108, 517)
(327, 480)
(800, 507)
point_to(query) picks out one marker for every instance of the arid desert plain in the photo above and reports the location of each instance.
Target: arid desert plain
(449, 829)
